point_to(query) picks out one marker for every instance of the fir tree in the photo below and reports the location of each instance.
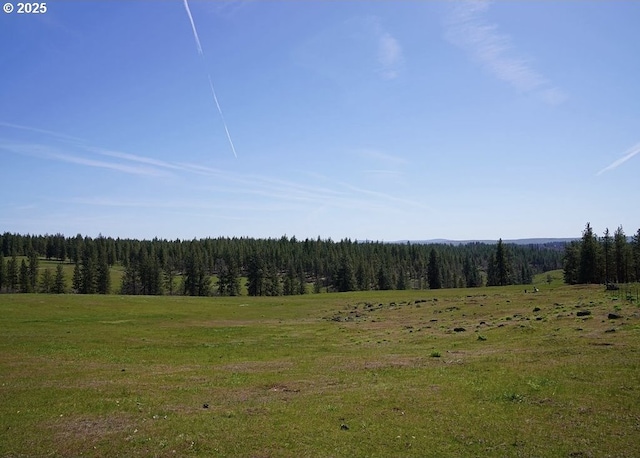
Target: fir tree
(24, 277)
(635, 251)
(588, 269)
(621, 256)
(434, 275)
(345, 279)
(608, 255)
(76, 281)
(59, 282)
(502, 265)
(3, 272)
(571, 263)
(33, 271)
(46, 282)
(12, 274)
(255, 276)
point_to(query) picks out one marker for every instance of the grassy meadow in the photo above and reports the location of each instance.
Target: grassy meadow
(467, 372)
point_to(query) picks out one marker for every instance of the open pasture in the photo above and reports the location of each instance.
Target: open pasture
(467, 372)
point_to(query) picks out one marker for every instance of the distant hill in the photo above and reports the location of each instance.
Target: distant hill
(540, 241)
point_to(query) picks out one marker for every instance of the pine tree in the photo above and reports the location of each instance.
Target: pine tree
(384, 279)
(88, 269)
(471, 274)
(289, 282)
(588, 271)
(12, 274)
(402, 282)
(24, 278)
(272, 284)
(33, 271)
(196, 280)
(302, 281)
(502, 265)
(169, 275)
(76, 281)
(59, 282)
(434, 275)
(130, 280)
(571, 263)
(362, 280)
(228, 279)
(46, 282)
(608, 255)
(255, 276)
(103, 276)
(345, 279)
(3, 272)
(621, 256)
(635, 252)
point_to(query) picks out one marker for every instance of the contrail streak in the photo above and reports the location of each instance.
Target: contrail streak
(193, 26)
(628, 155)
(224, 123)
(213, 91)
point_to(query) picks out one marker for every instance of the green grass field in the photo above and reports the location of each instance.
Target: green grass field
(468, 372)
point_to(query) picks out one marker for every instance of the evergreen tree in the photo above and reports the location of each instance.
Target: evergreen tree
(588, 271)
(3, 272)
(24, 278)
(502, 265)
(12, 274)
(59, 283)
(289, 282)
(103, 276)
(302, 281)
(345, 279)
(608, 255)
(88, 269)
(169, 275)
(33, 271)
(196, 280)
(317, 285)
(272, 284)
(76, 281)
(434, 275)
(384, 279)
(130, 280)
(621, 256)
(471, 274)
(362, 279)
(255, 277)
(46, 282)
(228, 280)
(402, 282)
(571, 263)
(635, 253)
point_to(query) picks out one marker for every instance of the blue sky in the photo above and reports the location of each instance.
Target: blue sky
(381, 120)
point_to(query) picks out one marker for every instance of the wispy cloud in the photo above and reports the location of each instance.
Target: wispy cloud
(251, 192)
(40, 131)
(53, 153)
(353, 50)
(389, 55)
(380, 156)
(627, 155)
(468, 29)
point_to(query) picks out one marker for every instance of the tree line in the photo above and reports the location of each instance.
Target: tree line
(606, 259)
(269, 267)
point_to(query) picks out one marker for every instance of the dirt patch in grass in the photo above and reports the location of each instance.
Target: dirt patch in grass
(256, 366)
(81, 431)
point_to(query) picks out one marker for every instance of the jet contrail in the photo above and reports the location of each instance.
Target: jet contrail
(628, 155)
(193, 26)
(213, 91)
(224, 123)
